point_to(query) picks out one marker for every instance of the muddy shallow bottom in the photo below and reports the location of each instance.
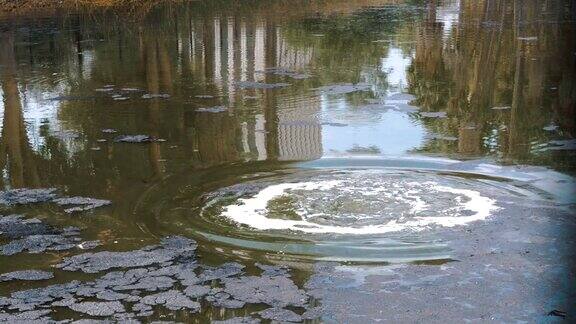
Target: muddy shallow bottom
(507, 255)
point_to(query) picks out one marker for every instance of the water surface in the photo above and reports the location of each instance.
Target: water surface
(354, 131)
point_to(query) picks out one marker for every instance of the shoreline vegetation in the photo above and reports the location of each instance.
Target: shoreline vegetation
(140, 8)
(11, 8)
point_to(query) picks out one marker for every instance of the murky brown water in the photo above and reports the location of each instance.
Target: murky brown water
(239, 94)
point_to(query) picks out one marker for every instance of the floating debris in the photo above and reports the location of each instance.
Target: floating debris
(285, 72)
(31, 196)
(259, 85)
(98, 308)
(550, 128)
(215, 109)
(27, 196)
(406, 108)
(72, 98)
(441, 137)
(104, 89)
(204, 96)
(109, 131)
(134, 139)
(65, 135)
(130, 90)
(88, 245)
(173, 300)
(30, 275)
(165, 275)
(280, 314)
(238, 320)
(400, 96)
(344, 88)
(559, 145)
(398, 102)
(26, 316)
(557, 313)
(156, 96)
(168, 250)
(16, 226)
(334, 124)
(370, 150)
(433, 114)
(80, 203)
(121, 98)
(276, 291)
(34, 236)
(273, 270)
(378, 106)
(528, 38)
(501, 108)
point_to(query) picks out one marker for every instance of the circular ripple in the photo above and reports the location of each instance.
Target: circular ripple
(359, 202)
(364, 211)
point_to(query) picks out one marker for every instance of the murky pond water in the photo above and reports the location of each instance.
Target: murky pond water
(365, 132)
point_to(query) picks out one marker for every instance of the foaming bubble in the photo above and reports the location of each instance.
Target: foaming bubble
(361, 203)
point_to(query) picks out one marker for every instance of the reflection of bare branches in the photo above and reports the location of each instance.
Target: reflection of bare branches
(152, 47)
(15, 152)
(496, 61)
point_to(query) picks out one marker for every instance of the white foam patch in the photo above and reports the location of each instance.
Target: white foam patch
(252, 211)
